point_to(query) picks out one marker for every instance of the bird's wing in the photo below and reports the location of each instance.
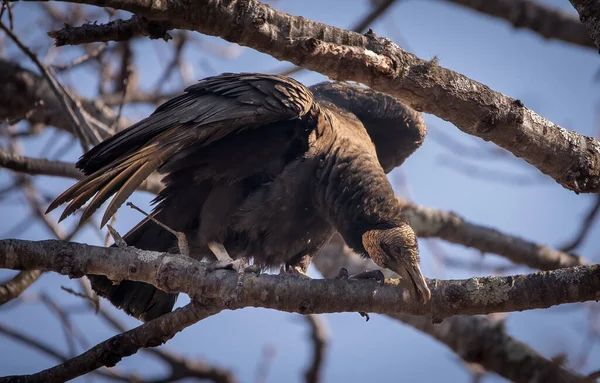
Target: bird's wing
(207, 112)
(395, 129)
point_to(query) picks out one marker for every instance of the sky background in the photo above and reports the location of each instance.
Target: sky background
(555, 79)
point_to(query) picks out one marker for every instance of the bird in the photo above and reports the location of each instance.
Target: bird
(260, 167)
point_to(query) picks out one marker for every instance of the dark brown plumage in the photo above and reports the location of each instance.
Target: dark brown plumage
(264, 167)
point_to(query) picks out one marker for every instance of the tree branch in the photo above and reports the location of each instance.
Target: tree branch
(571, 159)
(475, 339)
(176, 274)
(117, 30)
(589, 14)
(111, 351)
(13, 288)
(546, 21)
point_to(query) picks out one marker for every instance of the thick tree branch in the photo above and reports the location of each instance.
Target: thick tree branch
(546, 21)
(571, 159)
(589, 14)
(176, 274)
(475, 339)
(111, 351)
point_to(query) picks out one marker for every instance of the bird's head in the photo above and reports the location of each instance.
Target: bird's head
(396, 249)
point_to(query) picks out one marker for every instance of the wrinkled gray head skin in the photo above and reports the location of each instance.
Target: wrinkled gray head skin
(396, 248)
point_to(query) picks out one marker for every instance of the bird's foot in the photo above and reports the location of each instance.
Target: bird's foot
(237, 265)
(367, 274)
(296, 271)
(225, 262)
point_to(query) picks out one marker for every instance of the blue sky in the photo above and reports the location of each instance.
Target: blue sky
(555, 79)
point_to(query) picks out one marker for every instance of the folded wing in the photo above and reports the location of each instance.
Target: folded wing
(208, 111)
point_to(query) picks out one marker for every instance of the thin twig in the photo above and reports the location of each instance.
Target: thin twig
(92, 54)
(586, 227)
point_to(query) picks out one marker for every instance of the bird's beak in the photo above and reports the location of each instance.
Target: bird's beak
(412, 272)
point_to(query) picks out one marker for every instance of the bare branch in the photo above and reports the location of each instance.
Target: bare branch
(176, 274)
(586, 226)
(546, 21)
(475, 339)
(571, 159)
(589, 14)
(92, 54)
(13, 288)
(117, 30)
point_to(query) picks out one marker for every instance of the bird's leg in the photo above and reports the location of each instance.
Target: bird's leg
(367, 274)
(224, 261)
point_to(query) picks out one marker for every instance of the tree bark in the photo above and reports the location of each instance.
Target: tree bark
(177, 274)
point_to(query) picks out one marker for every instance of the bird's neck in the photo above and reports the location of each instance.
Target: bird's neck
(356, 195)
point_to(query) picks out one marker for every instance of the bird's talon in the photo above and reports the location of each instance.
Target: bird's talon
(365, 315)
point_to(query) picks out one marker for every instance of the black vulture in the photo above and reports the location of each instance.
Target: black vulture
(259, 167)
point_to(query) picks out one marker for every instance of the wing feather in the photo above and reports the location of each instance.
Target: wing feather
(207, 112)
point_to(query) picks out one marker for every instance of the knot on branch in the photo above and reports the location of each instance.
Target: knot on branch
(69, 264)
